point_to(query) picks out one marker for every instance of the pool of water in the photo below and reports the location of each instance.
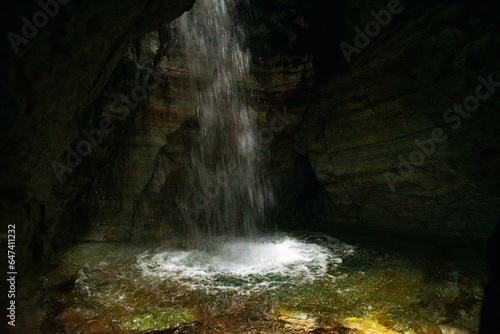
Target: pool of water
(281, 283)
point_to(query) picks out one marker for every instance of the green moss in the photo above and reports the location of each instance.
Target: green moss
(159, 319)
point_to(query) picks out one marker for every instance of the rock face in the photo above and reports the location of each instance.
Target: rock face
(58, 70)
(386, 139)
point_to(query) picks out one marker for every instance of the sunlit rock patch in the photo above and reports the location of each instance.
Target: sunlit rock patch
(367, 326)
(293, 320)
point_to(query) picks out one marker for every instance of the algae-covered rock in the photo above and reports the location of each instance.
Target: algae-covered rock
(160, 319)
(291, 319)
(367, 326)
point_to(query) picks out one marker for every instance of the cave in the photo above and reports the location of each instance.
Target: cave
(250, 166)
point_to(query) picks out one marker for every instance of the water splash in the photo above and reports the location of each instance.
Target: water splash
(245, 266)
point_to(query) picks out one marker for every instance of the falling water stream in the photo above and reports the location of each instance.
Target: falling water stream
(232, 191)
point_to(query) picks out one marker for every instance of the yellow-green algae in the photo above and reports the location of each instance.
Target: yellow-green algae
(156, 319)
(367, 326)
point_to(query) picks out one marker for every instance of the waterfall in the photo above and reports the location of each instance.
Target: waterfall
(231, 193)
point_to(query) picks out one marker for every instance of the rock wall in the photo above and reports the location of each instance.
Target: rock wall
(385, 137)
(50, 74)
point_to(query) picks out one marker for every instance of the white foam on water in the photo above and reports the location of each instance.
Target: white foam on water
(243, 265)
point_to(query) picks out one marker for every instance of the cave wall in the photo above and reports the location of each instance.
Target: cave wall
(383, 134)
(50, 75)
